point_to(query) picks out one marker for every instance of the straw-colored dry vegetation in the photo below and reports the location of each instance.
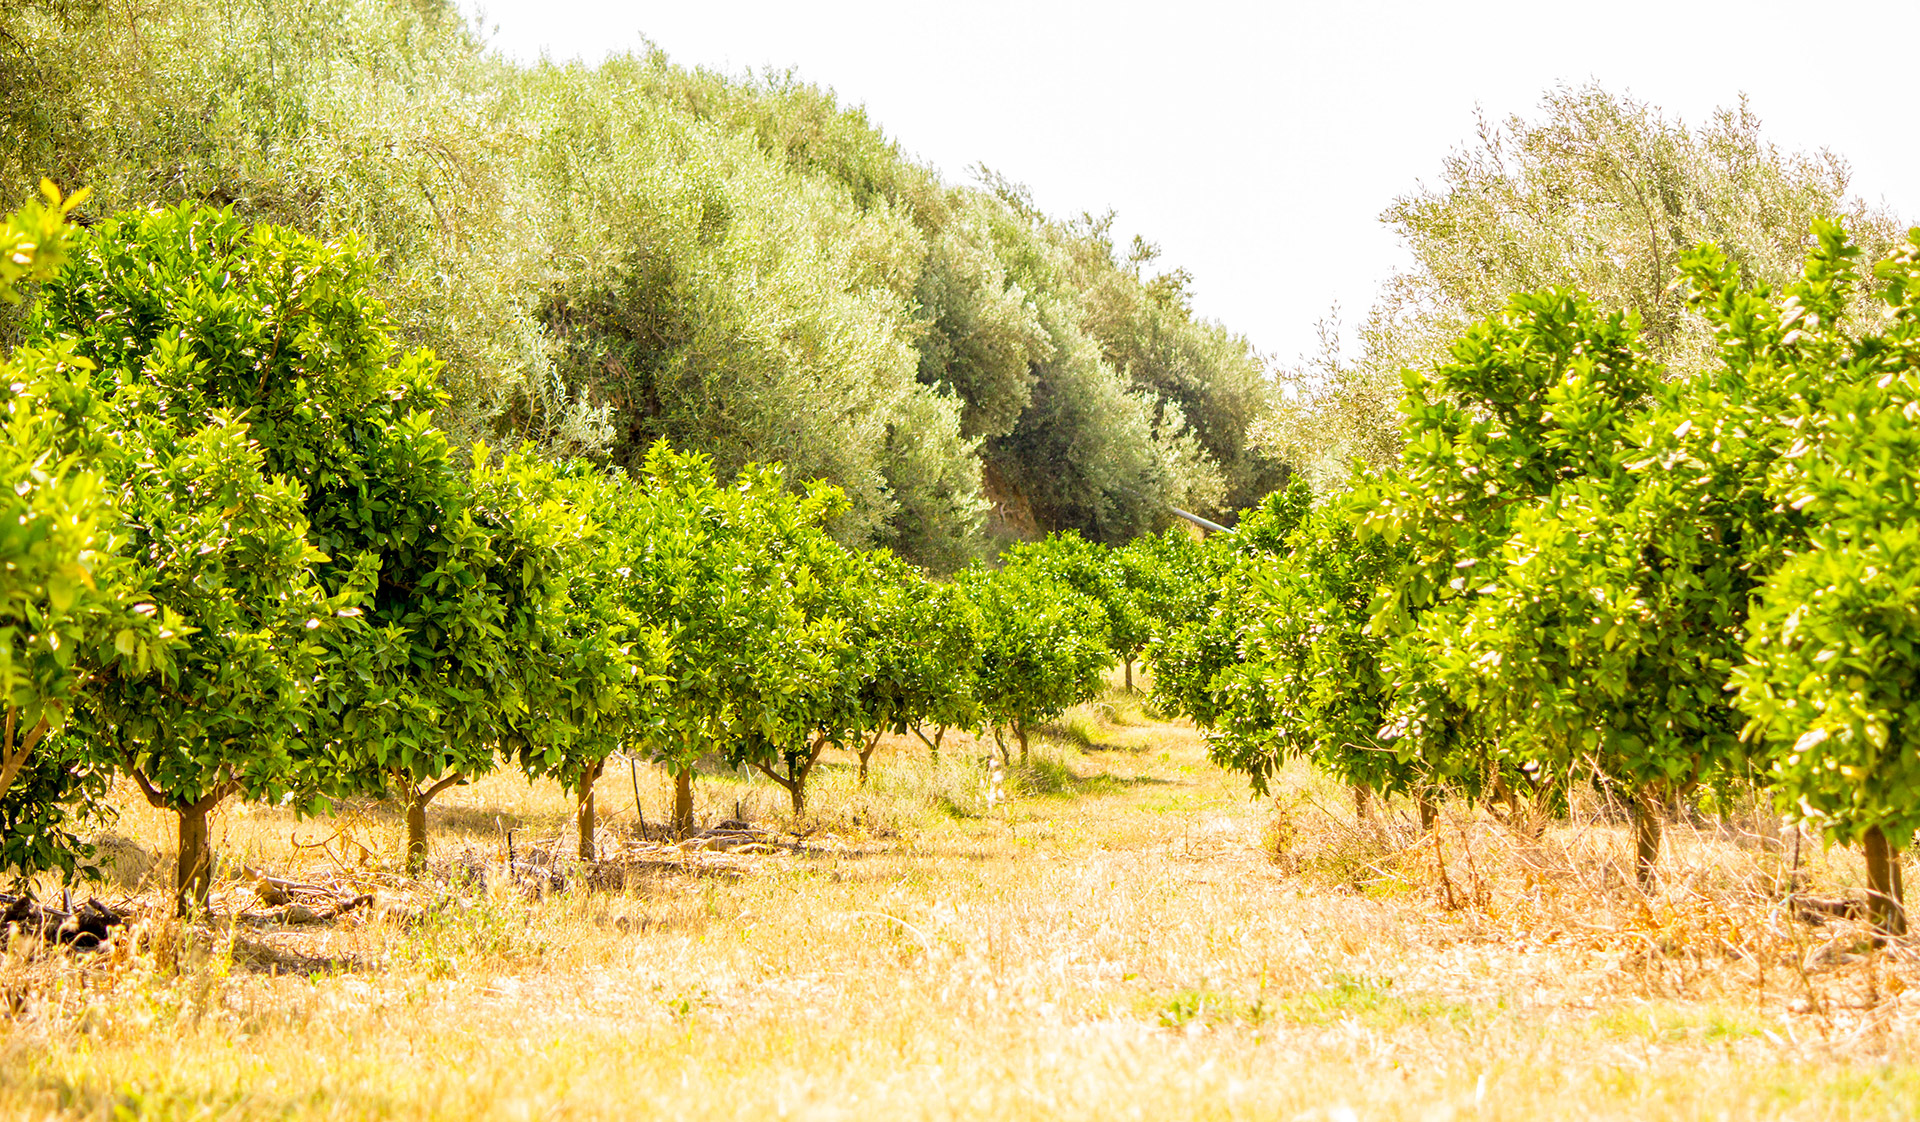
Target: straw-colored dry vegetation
(1128, 936)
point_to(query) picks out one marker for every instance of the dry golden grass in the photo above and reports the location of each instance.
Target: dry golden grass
(1126, 938)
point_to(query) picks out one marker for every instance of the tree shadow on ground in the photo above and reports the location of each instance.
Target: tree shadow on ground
(1051, 779)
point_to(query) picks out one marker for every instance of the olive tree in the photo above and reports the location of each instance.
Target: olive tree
(1593, 190)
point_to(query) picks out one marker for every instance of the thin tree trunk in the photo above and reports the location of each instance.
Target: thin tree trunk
(193, 876)
(1429, 812)
(1020, 734)
(1362, 805)
(416, 830)
(13, 759)
(1646, 840)
(639, 810)
(1129, 675)
(795, 781)
(417, 801)
(864, 754)
(193, 865)
(1886, 904)
(683, 802)
(584, 815)
(11, 766)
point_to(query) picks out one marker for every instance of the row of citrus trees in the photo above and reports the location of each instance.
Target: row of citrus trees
(240, 562)
(1585, 568)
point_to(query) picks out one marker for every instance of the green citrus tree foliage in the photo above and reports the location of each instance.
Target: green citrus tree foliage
(923, 637)
(816, 648)
(1310, 681)
(68, 604)
(201, 313)
(1533, 403)
(1166, 573)
(1205, 634)
(1094, 571)
(1833, 652)
(761, 618)
(1042, 647)
(596, 669)
(222, 546)
(73, 606)
(693, 568)
(34, 239)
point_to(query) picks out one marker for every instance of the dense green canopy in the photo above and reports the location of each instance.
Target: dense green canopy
(607, 256)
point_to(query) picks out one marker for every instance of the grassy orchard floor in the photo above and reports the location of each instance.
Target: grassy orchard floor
(1121, 944)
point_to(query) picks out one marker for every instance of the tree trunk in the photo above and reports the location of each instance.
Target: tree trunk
(1646, 839)
(585, 819)
(1020, 734)
(1429, 812)
(795, 781)
(864, 754)
(1129, 664)
(13, 759)
(193, 877)
(583, 815)
(417, 801)
(683, 802)
(1886, 904)
(639, 809)
(416, 829)
(1362, 805)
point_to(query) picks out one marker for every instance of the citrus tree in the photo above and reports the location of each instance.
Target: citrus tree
(1167, 576)
(813, 648)
(191, 314)
(208, 526)
(1042, 647)
(222, 546)
(593, 669)
(68, 605)
(1833, 651)
(1310, 682)
(34, 239)
(1093, 570)
(926, 650)
(1532, 405)
(1203, 632)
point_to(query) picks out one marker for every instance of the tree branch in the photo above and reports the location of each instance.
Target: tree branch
(775, 776)
(154, 798)
(427, 795)
(10, 766)
(212, 798)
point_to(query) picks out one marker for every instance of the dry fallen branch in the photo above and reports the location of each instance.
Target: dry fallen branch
(83, 928)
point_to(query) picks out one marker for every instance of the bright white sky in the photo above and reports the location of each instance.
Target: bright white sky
(1257, 144)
